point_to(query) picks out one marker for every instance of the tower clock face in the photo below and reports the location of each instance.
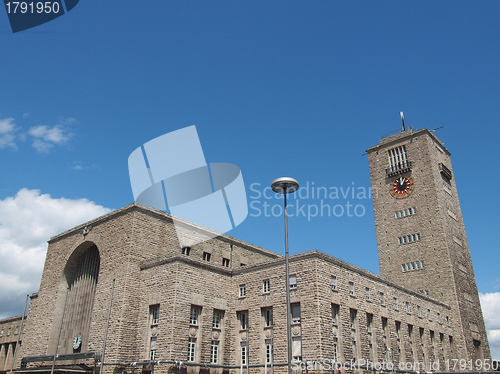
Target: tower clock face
(402, 187)
(77, 341)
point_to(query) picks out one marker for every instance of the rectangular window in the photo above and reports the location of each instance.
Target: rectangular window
(418, 311)
(384, 325)
(297, 348)
(335, 314)
(428, 313)
(369, 320)
(1, 333)
(206, 256)
(403, 267)
(293, 282)
(268, 316)
(367, 293)
(382, 300)
(395, 303)
(334, 282)
(422, 264)
(244, 353)
(407, 307)
(269, 351)
(225, 262)
(195, 311)
(243, 318)
(186, 250)
(17, 330)
(154, 314)
(216, 320)
(191, 349)
(152, 348)
(214, 352)
(351, 288)
(352, 314)
(242, 290)
(335, 350)
(8, 332)
(266, 287)
(398, 158)
(398, 328)
(295, 313)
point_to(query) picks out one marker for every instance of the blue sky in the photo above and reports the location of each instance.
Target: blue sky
(299, 88)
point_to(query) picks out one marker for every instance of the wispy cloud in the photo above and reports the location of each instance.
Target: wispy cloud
(42, 137)
(27, 221)
(490, 304)
(46, 137)
(7, 133)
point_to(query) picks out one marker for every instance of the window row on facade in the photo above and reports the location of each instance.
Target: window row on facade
(405, 212)
(409, 238)
(411, 266)
(207, 256)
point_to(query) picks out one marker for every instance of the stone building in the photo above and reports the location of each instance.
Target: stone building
(10, 333)
(122, 289)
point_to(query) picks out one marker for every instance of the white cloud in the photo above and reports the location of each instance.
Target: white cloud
(490, 304)
(46, 137)
(7, 130)
(27, 221)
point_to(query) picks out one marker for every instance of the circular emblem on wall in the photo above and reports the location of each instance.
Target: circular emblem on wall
(192, 332)
(296, 331)
(402, 187)
(268, 335)
(216, 335)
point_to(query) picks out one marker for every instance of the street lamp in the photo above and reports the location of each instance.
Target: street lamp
(284, 186)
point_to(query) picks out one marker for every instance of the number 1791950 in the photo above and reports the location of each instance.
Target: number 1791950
(32, 7)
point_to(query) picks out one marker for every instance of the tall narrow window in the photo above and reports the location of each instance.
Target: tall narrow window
(395, 303)
(244, 353)
(398, 159)
(295, 313)
(297, 348)
(418, 311)
(152, 348)
(384, 326)
(266, 286)
(369, 320)
(214, 352)
(367, 293)
(293, 282)
(269, 351)
(334, 282)
(154, 314)
(335, 314)
(242, 290)
(351, 288)
(352, 314)
(243, 318)
(382, 300)
(191, 349)
(216, 320)
(335, 350)
(268, 316)
(195, 311)
(398, 328)
(407, 307)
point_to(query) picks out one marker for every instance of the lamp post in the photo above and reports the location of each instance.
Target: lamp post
(286, 185)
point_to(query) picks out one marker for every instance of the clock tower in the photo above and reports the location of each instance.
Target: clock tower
(420, 231)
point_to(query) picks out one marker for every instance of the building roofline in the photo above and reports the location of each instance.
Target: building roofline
(387, 142)
(12, 319)
(281, 261)
(165, 216)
